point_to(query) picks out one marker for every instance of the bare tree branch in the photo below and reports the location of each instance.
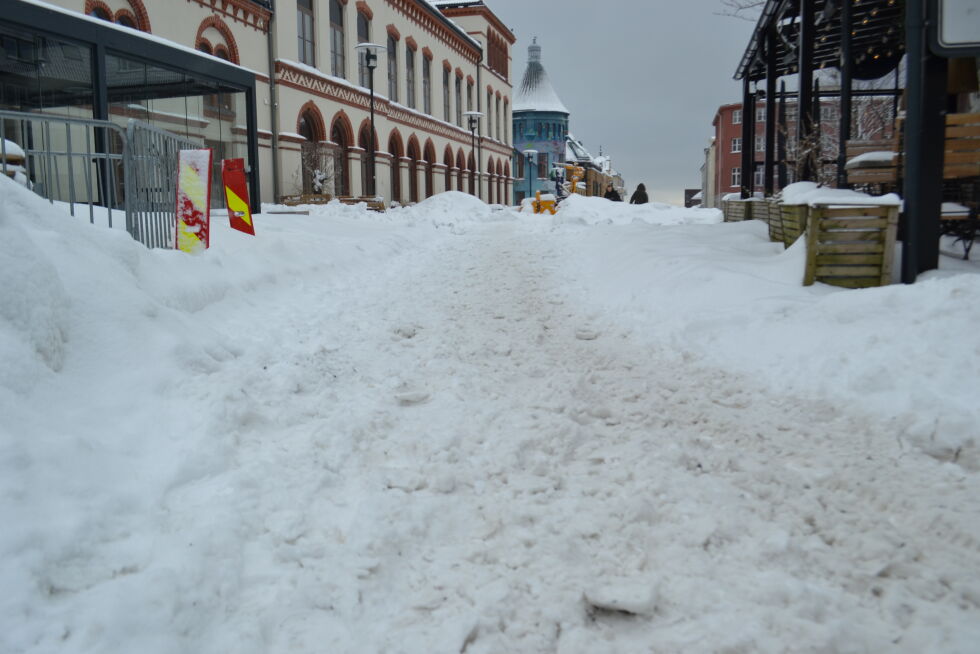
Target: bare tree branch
(743, 9)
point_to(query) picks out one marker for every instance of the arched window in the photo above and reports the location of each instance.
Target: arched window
(337, 61)
(447, 161)
(363, 36)
(430, 158)
(395, 148)
(364, 142)
(126, 21)
(341, 173)
(491, 181)
(101, 14)
(413, 174)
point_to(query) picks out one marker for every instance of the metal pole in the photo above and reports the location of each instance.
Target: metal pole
(770, 147)
(924, 129)
(748, 109)
(781, 137)
(804, 128)
(473, 154)
(846, 74)
(529, 176)
(369, 56)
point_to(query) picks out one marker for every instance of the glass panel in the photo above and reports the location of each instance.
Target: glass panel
(196, 109)
(42, 74)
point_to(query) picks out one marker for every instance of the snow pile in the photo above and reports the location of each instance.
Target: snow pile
(452, 209)
(811, 193)
(364, 432)
(728, 297)
(582, 210)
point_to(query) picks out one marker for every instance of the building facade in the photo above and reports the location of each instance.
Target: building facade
(436, 61)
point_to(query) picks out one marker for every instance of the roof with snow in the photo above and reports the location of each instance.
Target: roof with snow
(536, 92)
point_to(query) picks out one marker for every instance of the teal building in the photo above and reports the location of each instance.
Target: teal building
(540, 124)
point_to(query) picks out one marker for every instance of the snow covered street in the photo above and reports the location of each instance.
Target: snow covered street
(448, 442)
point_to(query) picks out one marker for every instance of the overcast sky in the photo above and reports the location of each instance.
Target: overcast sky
(642, 78)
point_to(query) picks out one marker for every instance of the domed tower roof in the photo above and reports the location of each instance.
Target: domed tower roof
(536, 92)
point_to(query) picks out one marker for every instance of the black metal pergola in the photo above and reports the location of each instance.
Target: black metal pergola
(864, 40)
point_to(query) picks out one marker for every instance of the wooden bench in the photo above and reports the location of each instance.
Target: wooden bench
(961, 153)
(875, 161)
(373, 204)
(961, 175)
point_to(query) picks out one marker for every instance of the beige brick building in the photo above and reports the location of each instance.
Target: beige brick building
(437, 61)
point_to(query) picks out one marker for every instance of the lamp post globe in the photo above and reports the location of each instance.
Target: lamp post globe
(371, 62)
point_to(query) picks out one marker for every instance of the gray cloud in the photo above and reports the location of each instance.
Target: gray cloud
(642, 78)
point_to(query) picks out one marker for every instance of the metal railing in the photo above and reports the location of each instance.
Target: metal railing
(152, 188)
(76, 161)
(97, 167)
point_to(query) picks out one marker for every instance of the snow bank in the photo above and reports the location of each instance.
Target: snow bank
(582, 210)
(106, 349)
(726, 295)
(811, 193)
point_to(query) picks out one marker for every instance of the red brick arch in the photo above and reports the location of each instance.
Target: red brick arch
(363, 8)
(341, 120)
(142, 17)
(91, 5)
(126, 13)
(316, 120)
(226, 34)
(366, 127)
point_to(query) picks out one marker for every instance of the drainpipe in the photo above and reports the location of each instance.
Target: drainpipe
(479, 151)
(274, 103)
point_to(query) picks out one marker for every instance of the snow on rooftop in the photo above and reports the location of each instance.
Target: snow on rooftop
(536, 92)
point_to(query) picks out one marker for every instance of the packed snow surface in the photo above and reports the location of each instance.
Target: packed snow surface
(456, 428)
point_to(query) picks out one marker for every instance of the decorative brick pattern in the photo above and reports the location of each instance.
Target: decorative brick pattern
(239, 11)
(226, 34)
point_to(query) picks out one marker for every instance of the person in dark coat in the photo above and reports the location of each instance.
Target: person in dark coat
(612, 194)
(639, 195)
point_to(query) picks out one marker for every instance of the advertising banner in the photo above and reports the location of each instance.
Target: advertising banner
(193, 200)
(236, 195)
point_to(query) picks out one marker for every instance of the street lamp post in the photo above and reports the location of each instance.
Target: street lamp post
(474, 121)
(530, 154)
(371, 62)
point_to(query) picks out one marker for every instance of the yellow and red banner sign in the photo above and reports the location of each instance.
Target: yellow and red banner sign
(236, 195)
(193, 200)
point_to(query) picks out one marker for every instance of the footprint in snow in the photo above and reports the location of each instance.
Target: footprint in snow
(586, 334)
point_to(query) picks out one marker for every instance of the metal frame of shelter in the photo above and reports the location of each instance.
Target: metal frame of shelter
(864, 39)
(104, 40)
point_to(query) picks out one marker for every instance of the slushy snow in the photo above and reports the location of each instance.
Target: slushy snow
(456, 428)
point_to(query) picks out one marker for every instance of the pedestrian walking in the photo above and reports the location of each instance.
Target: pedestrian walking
(639, 195)
(612, 194)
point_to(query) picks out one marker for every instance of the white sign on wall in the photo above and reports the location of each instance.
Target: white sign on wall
(957, 27)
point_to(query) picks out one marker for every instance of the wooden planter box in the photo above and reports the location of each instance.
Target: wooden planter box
(737, 210)
(850, 247)
(793, 219)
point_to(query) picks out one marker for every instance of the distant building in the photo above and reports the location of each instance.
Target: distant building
(692, 197)
(541, 125)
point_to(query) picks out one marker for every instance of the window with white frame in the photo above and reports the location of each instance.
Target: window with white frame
(737, 144)
(363, 36)
(758, 179)
(305, 32)
(736, 177)
(409, 76)
(337, 45)
(760, 114)
(392, 69)
(736, 117)
(426, 85)
(760, 142)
